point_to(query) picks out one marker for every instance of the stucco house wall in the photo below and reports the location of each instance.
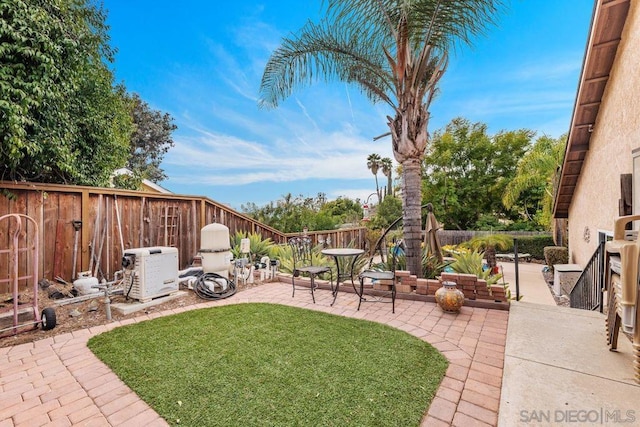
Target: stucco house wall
(615, 134)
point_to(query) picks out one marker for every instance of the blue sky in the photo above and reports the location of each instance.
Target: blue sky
(202, 61)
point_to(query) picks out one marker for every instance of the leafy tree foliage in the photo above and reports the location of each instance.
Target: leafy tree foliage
(387, 211)
(537, 175)
(343, 210)
(467, 171)
(150, 141)
(291, 214)
(61, 118)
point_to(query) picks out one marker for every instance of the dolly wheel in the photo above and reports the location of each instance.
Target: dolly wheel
(48, 319)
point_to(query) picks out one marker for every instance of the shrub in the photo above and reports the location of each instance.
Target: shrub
(534, 245)
(556, 255)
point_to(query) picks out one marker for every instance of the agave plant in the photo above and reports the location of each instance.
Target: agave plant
(471, 263)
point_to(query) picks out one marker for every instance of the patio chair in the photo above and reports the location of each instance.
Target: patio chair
(302, 251)
(623, 288)
(378, 274)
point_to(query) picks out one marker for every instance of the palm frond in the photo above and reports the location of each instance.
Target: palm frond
(386, 47)
(326, 52)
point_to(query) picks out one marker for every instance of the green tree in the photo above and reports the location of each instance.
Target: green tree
(291, 214)
(342, 210)
(538, 172)
(150, 141)
(395, 52)
(468, 170)
(387, 211)
(61, 118)
(374, 163)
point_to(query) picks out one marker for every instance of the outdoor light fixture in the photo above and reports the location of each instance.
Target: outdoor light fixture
(366, 209)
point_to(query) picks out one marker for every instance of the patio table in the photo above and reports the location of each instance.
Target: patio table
(338, 253)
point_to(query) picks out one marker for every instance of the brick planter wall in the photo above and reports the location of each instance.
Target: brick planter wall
(472, 287)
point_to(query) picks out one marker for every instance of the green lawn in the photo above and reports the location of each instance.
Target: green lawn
(273, 365)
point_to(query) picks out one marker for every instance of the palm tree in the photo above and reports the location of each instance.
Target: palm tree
(387, 170)
(540, 167)
(488, 244)
(395, 51)
(373, 163)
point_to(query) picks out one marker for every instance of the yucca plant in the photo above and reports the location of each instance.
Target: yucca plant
(489, 244)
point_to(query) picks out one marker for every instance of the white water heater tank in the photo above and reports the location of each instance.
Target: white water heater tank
(215, 249)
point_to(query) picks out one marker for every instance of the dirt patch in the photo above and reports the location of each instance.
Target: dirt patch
(87, 314)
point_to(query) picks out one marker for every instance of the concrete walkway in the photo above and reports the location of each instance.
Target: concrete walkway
(58, 381)
(557, 367)
(558, 370)
(533, 288)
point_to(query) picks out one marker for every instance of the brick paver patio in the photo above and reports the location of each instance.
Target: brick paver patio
(58, 381)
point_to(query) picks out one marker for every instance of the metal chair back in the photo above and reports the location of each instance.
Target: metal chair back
(302, 251)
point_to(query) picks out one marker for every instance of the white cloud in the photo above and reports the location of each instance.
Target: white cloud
(213, 158)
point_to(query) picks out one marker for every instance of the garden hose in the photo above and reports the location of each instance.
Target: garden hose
(212, 286)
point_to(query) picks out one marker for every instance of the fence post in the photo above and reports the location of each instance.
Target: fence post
(601, 272)
(515, 260)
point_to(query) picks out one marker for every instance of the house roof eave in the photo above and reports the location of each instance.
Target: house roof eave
(607, 23)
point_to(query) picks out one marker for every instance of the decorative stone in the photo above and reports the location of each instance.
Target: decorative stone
(449, 297)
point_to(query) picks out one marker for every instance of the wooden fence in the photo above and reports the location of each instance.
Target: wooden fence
(112, 220)
(455, 237)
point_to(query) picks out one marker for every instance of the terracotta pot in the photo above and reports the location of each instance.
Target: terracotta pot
(449, 297)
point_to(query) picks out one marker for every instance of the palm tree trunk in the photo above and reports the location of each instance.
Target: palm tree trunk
(377, 188)
(411, 215)
(490, 256)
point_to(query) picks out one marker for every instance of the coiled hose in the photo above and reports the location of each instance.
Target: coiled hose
(212, 286)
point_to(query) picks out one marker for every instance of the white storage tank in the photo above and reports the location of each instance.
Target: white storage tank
(215, 249)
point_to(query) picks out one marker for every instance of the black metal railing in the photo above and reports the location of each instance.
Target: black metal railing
(587, 293)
